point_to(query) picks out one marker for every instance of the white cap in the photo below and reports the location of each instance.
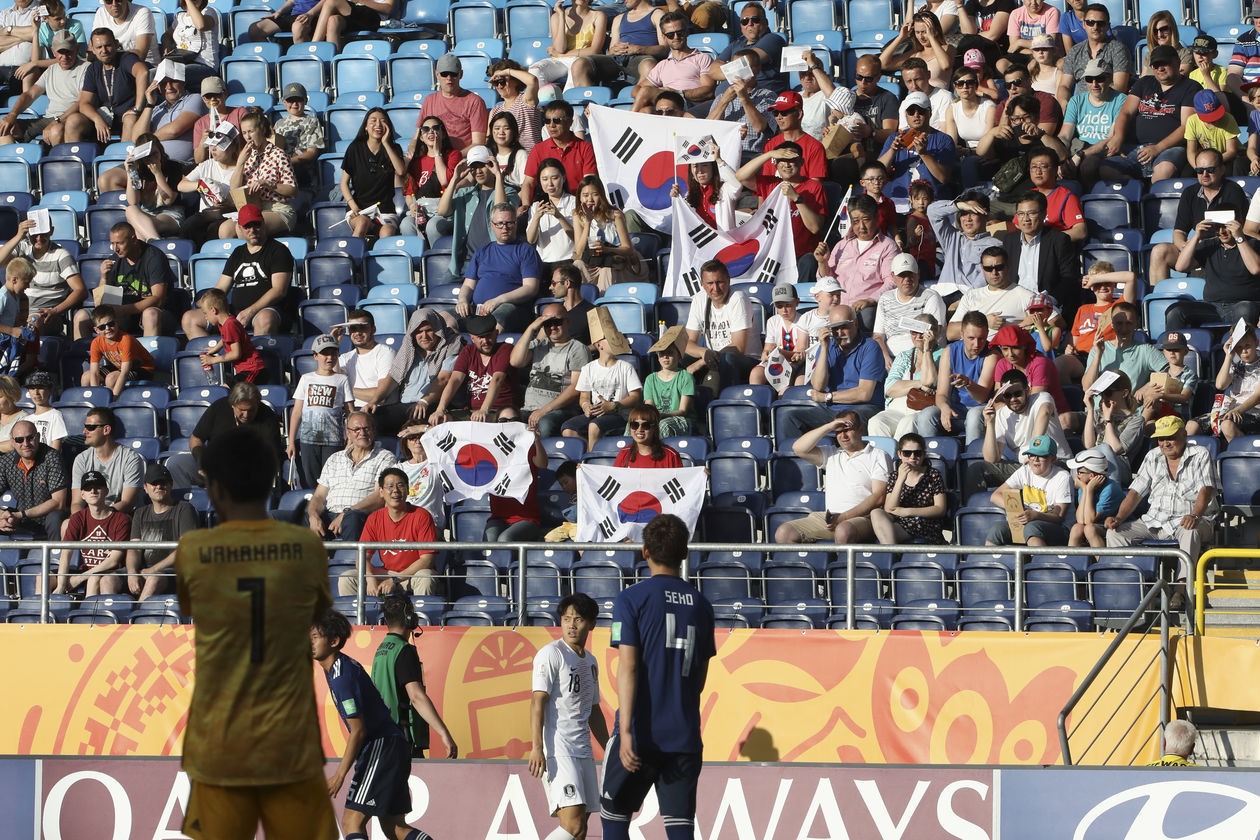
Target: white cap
(903, 263)
(479, 154)
(1092, 460)
(917, 98)
(826, 284)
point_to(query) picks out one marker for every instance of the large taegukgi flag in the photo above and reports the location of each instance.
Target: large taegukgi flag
(480, 459)
(638, 157)
(758, 251)
(614, 503)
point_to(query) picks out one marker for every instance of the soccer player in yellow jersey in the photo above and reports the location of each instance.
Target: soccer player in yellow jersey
(253, 586)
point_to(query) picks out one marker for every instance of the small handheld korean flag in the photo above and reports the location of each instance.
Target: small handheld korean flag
(615, 503)
(840, 225)
(778, 371)
(481, 459)
(688, 150)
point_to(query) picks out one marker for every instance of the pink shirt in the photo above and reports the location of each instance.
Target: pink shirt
(678, 73)
(462, 115)
(1022, 25)
(865, 275)
(1041, 373)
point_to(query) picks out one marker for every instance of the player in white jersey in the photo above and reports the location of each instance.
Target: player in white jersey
(563, 715)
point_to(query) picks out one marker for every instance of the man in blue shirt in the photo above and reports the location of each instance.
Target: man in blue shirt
(849, 373)
(501, 278)
(376, 746)
(663, 629)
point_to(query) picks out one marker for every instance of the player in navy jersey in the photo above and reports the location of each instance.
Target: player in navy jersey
(376, 746)
(663, 629)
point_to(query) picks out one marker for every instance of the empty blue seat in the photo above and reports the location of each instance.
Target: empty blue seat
(723, 579)
(918, 580)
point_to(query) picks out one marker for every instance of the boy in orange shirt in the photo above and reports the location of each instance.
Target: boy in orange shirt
(1101, 279)
(115, 357)
(238, 350)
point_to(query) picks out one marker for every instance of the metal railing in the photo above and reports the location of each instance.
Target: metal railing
(1206, 559)
(850, 553)
(1159, 591)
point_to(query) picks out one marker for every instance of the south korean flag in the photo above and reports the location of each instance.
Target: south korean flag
(760, 250)
(615, 503)
(476, 460)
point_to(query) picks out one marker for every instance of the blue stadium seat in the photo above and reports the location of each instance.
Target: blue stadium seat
(734, 419)
(473, 20)
(307, 70)
(723, 579)
(597, 577)
(1062, 614)
(918, 580)
(866, 581)
(242, 74)
(760, 448)
(390, 316)
(738, 612)
(148, 448)
(182, 416)
(407, 295)
(320, 316)
(805, 613)
(1116, 588)
(928, 614)
(790, 474)
(59, 174)
(1105, 211)
(356, 73)
(983, 580)
(860, 15)
(786, 579)
(732, 472)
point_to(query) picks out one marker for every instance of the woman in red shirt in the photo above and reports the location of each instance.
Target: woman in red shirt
(646, 450)
(427, 175)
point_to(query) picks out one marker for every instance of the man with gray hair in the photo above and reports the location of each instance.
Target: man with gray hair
(1179, 739)
(501, 277)
(243, 406)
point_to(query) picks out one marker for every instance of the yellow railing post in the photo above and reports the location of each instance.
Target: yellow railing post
(1200, 582)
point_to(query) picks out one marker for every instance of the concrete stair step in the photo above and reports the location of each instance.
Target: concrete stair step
(1228, 746)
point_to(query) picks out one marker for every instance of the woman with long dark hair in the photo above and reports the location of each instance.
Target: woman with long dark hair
(914, 508)
(601, 237)
(504, 141)
(711, 190)
(550, 226)
(518, 89)
(925, 39)
(428, 176)
(153, 205)
(372, 165)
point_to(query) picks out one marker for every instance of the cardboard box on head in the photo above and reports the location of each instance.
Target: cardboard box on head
(673, 337)
(600, 322)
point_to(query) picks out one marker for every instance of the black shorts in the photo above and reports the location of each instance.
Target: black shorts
(379, 786)
(674, 775)
(362, 18)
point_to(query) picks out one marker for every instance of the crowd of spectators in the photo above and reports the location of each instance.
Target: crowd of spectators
(959, 297)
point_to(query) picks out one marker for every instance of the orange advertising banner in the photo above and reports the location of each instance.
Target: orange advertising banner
(772, 695)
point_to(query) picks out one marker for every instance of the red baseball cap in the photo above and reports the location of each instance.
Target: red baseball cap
(787, 101)
(249, 214)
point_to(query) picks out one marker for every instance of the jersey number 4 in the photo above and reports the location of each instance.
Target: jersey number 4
(257, 589)
(685, 643)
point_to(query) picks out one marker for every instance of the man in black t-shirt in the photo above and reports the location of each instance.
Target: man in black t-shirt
(1231, 269)
(152, 571)
(1152, 122)
(243, 406)
(113, 88)
(257, 277)
(878, 107)
(144, 276)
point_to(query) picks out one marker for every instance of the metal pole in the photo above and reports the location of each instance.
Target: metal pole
(45, 571)
(360, 570)
(1019, 590)
(521, 579)
(850, 588)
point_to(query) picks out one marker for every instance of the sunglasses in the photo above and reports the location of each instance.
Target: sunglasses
(916, 109)
(106, 325)
(862, 78)
(358, 327)
(1094, 22)
(965, 83)
(555, 120)
(668, 113)
(1162, 64)
(1094, 80)
(1014, 83)
(498, 82)
(25, 438)
(426, 129)
(751, 20)
(1205, 170)
(447, 74)
(994, 267)
(640, 424)
(553, 324)
(677, 33)
(92, 427)
(1162, 30)
(911, 453)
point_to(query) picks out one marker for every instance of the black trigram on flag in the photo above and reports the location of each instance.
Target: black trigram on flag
(770, 220)
(702, 235)
(504, 443)
(627, 145)
(617, 198)
(691, 281)
(769, 270)
(505, 484)
(446, 442)
(607, 527)
(609, 489)
(446, 482)
(674, 490)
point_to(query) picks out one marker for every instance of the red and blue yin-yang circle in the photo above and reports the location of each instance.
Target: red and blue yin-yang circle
(774, 369)
(639, 508)
(656, 178)
(475, 465)
(739, 257)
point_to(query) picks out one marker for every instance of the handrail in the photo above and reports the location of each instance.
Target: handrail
(1200, 580)
(1160, 590)
(850, 552)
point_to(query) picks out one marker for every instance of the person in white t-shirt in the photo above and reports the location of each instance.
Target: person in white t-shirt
(784, 333)
(1001, 299)
(900, 305)
(133, 27)
(367, 362)
(564, 713)
(1013, 417)
(48, 421)
(1045, 490)
(321, 403)
(607, 387)
(725, 320)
